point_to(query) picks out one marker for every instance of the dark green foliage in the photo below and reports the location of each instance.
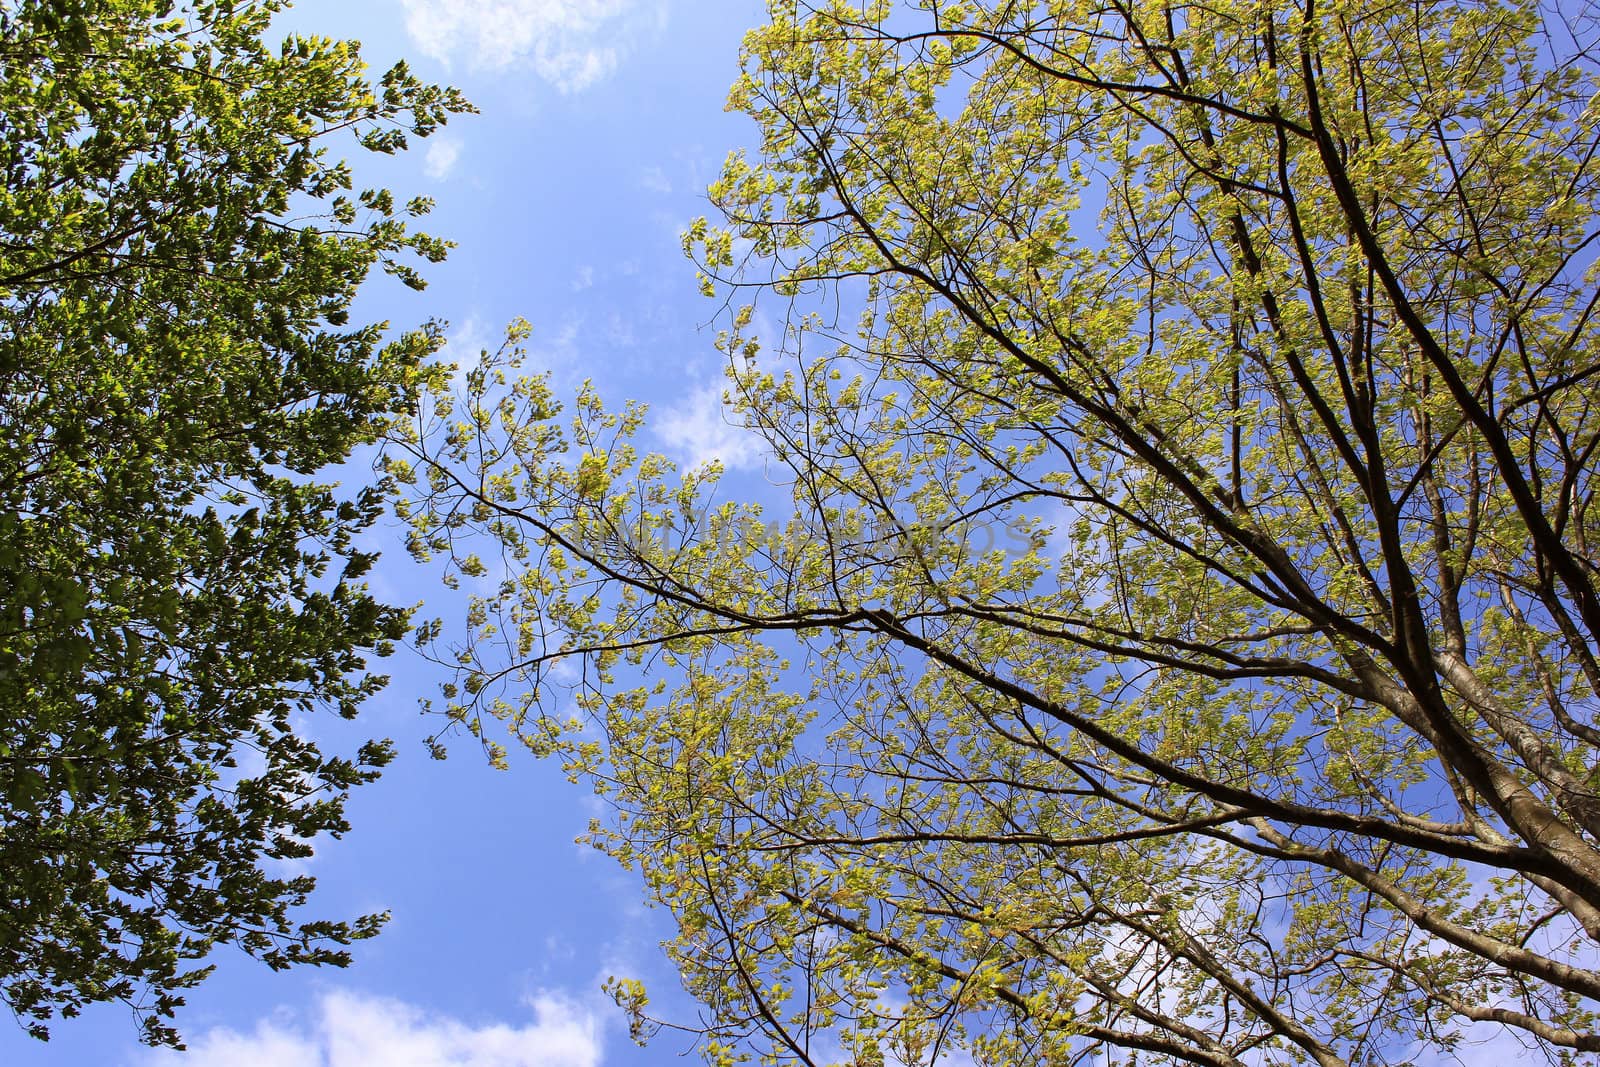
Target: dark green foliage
(178, 255)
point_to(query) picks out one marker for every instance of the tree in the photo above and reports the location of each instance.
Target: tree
(178, 256)
(1177, 638)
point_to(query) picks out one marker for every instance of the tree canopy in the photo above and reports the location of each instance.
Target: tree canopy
(1173, 637)
(179, 248)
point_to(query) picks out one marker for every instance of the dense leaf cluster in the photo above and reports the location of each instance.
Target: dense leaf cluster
(178, 254)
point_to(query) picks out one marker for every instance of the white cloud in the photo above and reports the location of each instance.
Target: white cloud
(464, 346)
(1485, 1046)
(354, 1030)
(698, 430)
(466, 341)
(441, 157)
(619, 331)
(570, 43)
(655, 180)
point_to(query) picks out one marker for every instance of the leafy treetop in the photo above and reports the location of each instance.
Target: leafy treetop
(1178, 638)
(179, 249)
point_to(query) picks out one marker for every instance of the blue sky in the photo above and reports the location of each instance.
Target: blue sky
(602, 123)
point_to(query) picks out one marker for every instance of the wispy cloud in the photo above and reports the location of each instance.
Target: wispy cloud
(699, 429)
(440, 159)
(570, 43)
(655, 180)
(354, 1030)
(464, 346)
